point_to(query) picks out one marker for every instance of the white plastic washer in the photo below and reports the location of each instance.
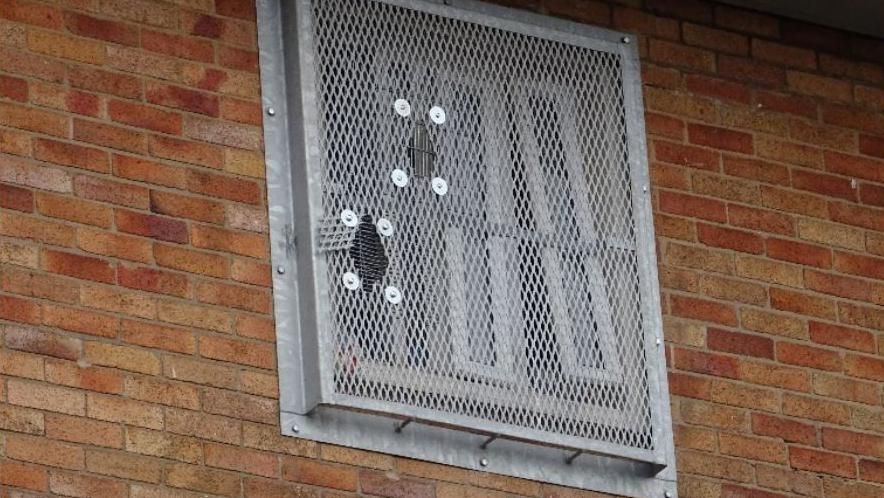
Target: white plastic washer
(385, 227)
(402, 107)
(440, 186)
(351, 280)
(437, 114)
(393, 295)
(400, 178)
(349, 218)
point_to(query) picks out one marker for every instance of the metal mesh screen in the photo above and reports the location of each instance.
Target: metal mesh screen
(478, 228)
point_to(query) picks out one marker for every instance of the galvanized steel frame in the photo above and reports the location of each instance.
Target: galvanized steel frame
(300, 286)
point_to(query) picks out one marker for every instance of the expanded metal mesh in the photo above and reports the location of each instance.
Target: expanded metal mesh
(481, 260)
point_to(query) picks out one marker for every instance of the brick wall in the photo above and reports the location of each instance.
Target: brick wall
(137, 339)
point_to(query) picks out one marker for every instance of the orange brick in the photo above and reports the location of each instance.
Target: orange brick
(124, 465)
(725, 188)
(707, 363)
(822, 461)
(17, 419)
(851, 288)
(24, 365)
(203, 426)
(82, 430)
(263, 488)
(114, 245)
(831, 386)
(785, 55)
(142, 170)
(677, 55)
(23, 11)
(690, 386)
(744, 69)
(81, 321)
(45, 452)
(865, 367)
(111, 136)
(122, 357)
(66, 47)
(819, 86)
(234, 296)
(157, 336)
(202, 479)
(162, 392)
(245, 244)
(714, 466)
(99, 189)
(86, 486)
(76, 210)
(760, 220)
(242, 460)
(181, 206)
(223, 133)
(787, 103)
(688, 205)
(800, 303)
(71, 374)
(259, 355)
(101, 81)
(255, 327)
(383, 484)
(65, 99)
(831, 234)
(700, 309)
(240, 406)
(319, 474)
(246, 218)
(752, 448)
(715, 39)
(251, 272)
(74, 265)
(204, 317)
(686, 105)
(157, 227)
(234, 189)
(24, 476)
(118, 300)
(45, 397)
(141, 116)
(210, 156)
(68, 154)
(153, 280)
(259, 384)
(126, 411)
(686, 155)
(730, 239)
(163, 445)
(177, 46)
(241, 111)
(30, 64)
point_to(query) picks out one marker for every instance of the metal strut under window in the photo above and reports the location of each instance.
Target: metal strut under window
(422, 154)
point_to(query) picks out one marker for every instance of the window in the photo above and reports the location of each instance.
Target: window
(462, 236)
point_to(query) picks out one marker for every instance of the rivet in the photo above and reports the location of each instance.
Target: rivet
(658, 342)
(271, 111)
(644, 188)
(625, 39)
(667, 494)
(280, 269)
(296, 429)
(483, 462)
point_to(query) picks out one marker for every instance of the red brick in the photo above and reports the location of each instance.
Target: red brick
(45, 452)
(803, 304)
(707, 363)
(822, 461)
(720, 138)
(855, 118)
(665, 126)
(834, 186)
(234, 189)
(785, 55)
(153, 335)
(315, 473)
(717, 88)
(832, 386)
(16, 198)
(86, 486)
(13, 88)
(44, 343)
(236, 351)
(239, 59)
(153, 280)
(182, 98)
(69, 154)
(789, 430)
(32, 119)
(141, 116)
(142, 170)
(682, 56)
(206, 155)
(842, 337)
(27, 12)
(236, 8)
(701, 309)
(263, 488)
(152, 226)
(871, 470)
(728, 238)
(808, 356)
(747, 21)
(110, 136)
(715, 39)
(792, 104)
(872, 195)
(799, 252)
(857, 264)
(691, 386)
(76, 210)
(241, 111)
(853, 442)
(101, 29)
(689, 205)
(101, 81)
(820, 86)
(75, 265)
(261, 328)
(219, 239)
(251, 272)
(871, 146)
(384, 484)
(851, 288)
(115, 245)
(29, 64)
(686, 155)
(850, 214)
(182, 206)
(22, 475)
(82, 430)
(739, 343)
(743, 69)
(760, 220)
(85, 322)
(184, 47)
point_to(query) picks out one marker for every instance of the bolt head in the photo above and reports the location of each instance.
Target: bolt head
(483, 462)
(280, 269)
(667, 494)
(296, 429)
(626, 39)
(271, 111)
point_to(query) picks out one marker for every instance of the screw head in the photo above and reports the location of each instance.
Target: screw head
(402, 107)
(296, 429)
(385, 227)
(349, 218)
(667, 494)
(271, 111)
(400, 178)
(280, 269)
(483, 462)
(437, 114)
(351, 280)
(625, 39)
(440, 186)
(393, 295)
